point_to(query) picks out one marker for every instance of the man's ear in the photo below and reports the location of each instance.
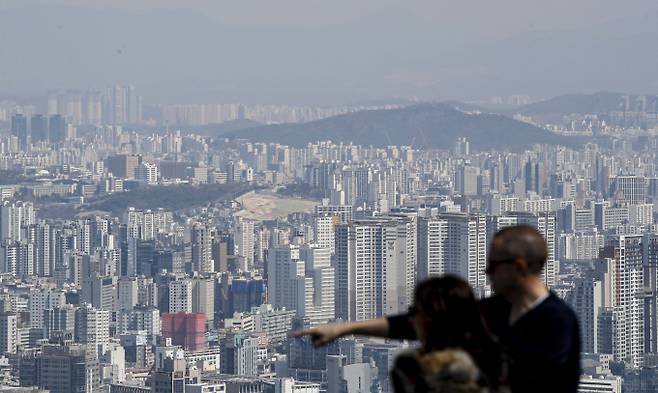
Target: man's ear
(521, 265)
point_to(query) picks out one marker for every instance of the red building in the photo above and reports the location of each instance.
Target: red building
(186, 330)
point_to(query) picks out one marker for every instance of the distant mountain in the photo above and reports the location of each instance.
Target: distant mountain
(576, 103)
(385, 102)
(469, 107)
(423, 126)
(227, 127)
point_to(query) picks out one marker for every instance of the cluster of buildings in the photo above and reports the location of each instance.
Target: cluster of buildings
(205, 114)
(116, 105)
(122, 105)
(203, 299)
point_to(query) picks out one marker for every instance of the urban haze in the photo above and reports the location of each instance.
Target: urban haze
(184, 184)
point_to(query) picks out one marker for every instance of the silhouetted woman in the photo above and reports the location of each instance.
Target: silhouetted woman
(457, 352)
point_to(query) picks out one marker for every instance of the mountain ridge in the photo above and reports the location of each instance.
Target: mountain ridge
(422, 125)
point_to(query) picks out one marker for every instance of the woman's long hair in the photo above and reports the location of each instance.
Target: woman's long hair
(453, 314)
(453, 320)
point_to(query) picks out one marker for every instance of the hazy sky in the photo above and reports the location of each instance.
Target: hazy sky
(330, 51)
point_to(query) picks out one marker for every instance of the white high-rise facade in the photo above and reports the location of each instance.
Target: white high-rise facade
(302, 279)
(92, 326)
(636, 257)
(147, 172)
(42, 299)
(8, 332)
(375, 263)
(317, 266)
(13, 217)
(126, 293)
(283, 268)
(140, 318)
(545, 223)
(325, 231)
(44, 259)
(454, 243)
(244, 242)
(180, 296)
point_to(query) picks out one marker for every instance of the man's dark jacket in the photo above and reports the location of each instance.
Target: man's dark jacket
(543, 345)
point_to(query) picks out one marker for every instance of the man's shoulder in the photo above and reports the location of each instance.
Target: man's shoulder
(559, 310)
(557, 305)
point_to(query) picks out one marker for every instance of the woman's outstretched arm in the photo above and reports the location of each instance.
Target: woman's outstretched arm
(321, 335)
(396, 326)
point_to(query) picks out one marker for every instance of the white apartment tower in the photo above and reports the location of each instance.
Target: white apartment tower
(42, 299)
(454, 243)
(8, 332)
(375, 267)
(325, 231)
(545, 223)
(630, 304)
(147, 172)
(180, 296)
(92, 326)
(302, 279)
(13, 217)
(244, 242)
(317, 266)
(283, 269)
(202, 248)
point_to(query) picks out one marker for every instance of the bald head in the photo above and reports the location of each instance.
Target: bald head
(523, 242)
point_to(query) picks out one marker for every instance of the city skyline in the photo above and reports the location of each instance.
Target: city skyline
(188, 187)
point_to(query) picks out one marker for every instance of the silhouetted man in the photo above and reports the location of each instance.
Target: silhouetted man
(538, 330)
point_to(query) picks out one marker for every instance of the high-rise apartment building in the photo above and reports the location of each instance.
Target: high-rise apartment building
(317, 266)
(59, 321)
(126, 293)
(245, 242)
(99, 292)
(239, 353)
(202, 248)
(8, 332)
(302, 279)
(68, 368)
(324, 229)
(186, 330)
(147, 172)
(140, 318)
(375, 263)
(39, 129)
(93, 108)
(57, 129)
(629, 188)
(630, 296)
(203, 298)
(580, 246)
(42, 299)
(454, 243)
(545, 223)
(121, 105)
(92, 326)
(180, 296)
(20, 130)
(123, 166)
(13, 217)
